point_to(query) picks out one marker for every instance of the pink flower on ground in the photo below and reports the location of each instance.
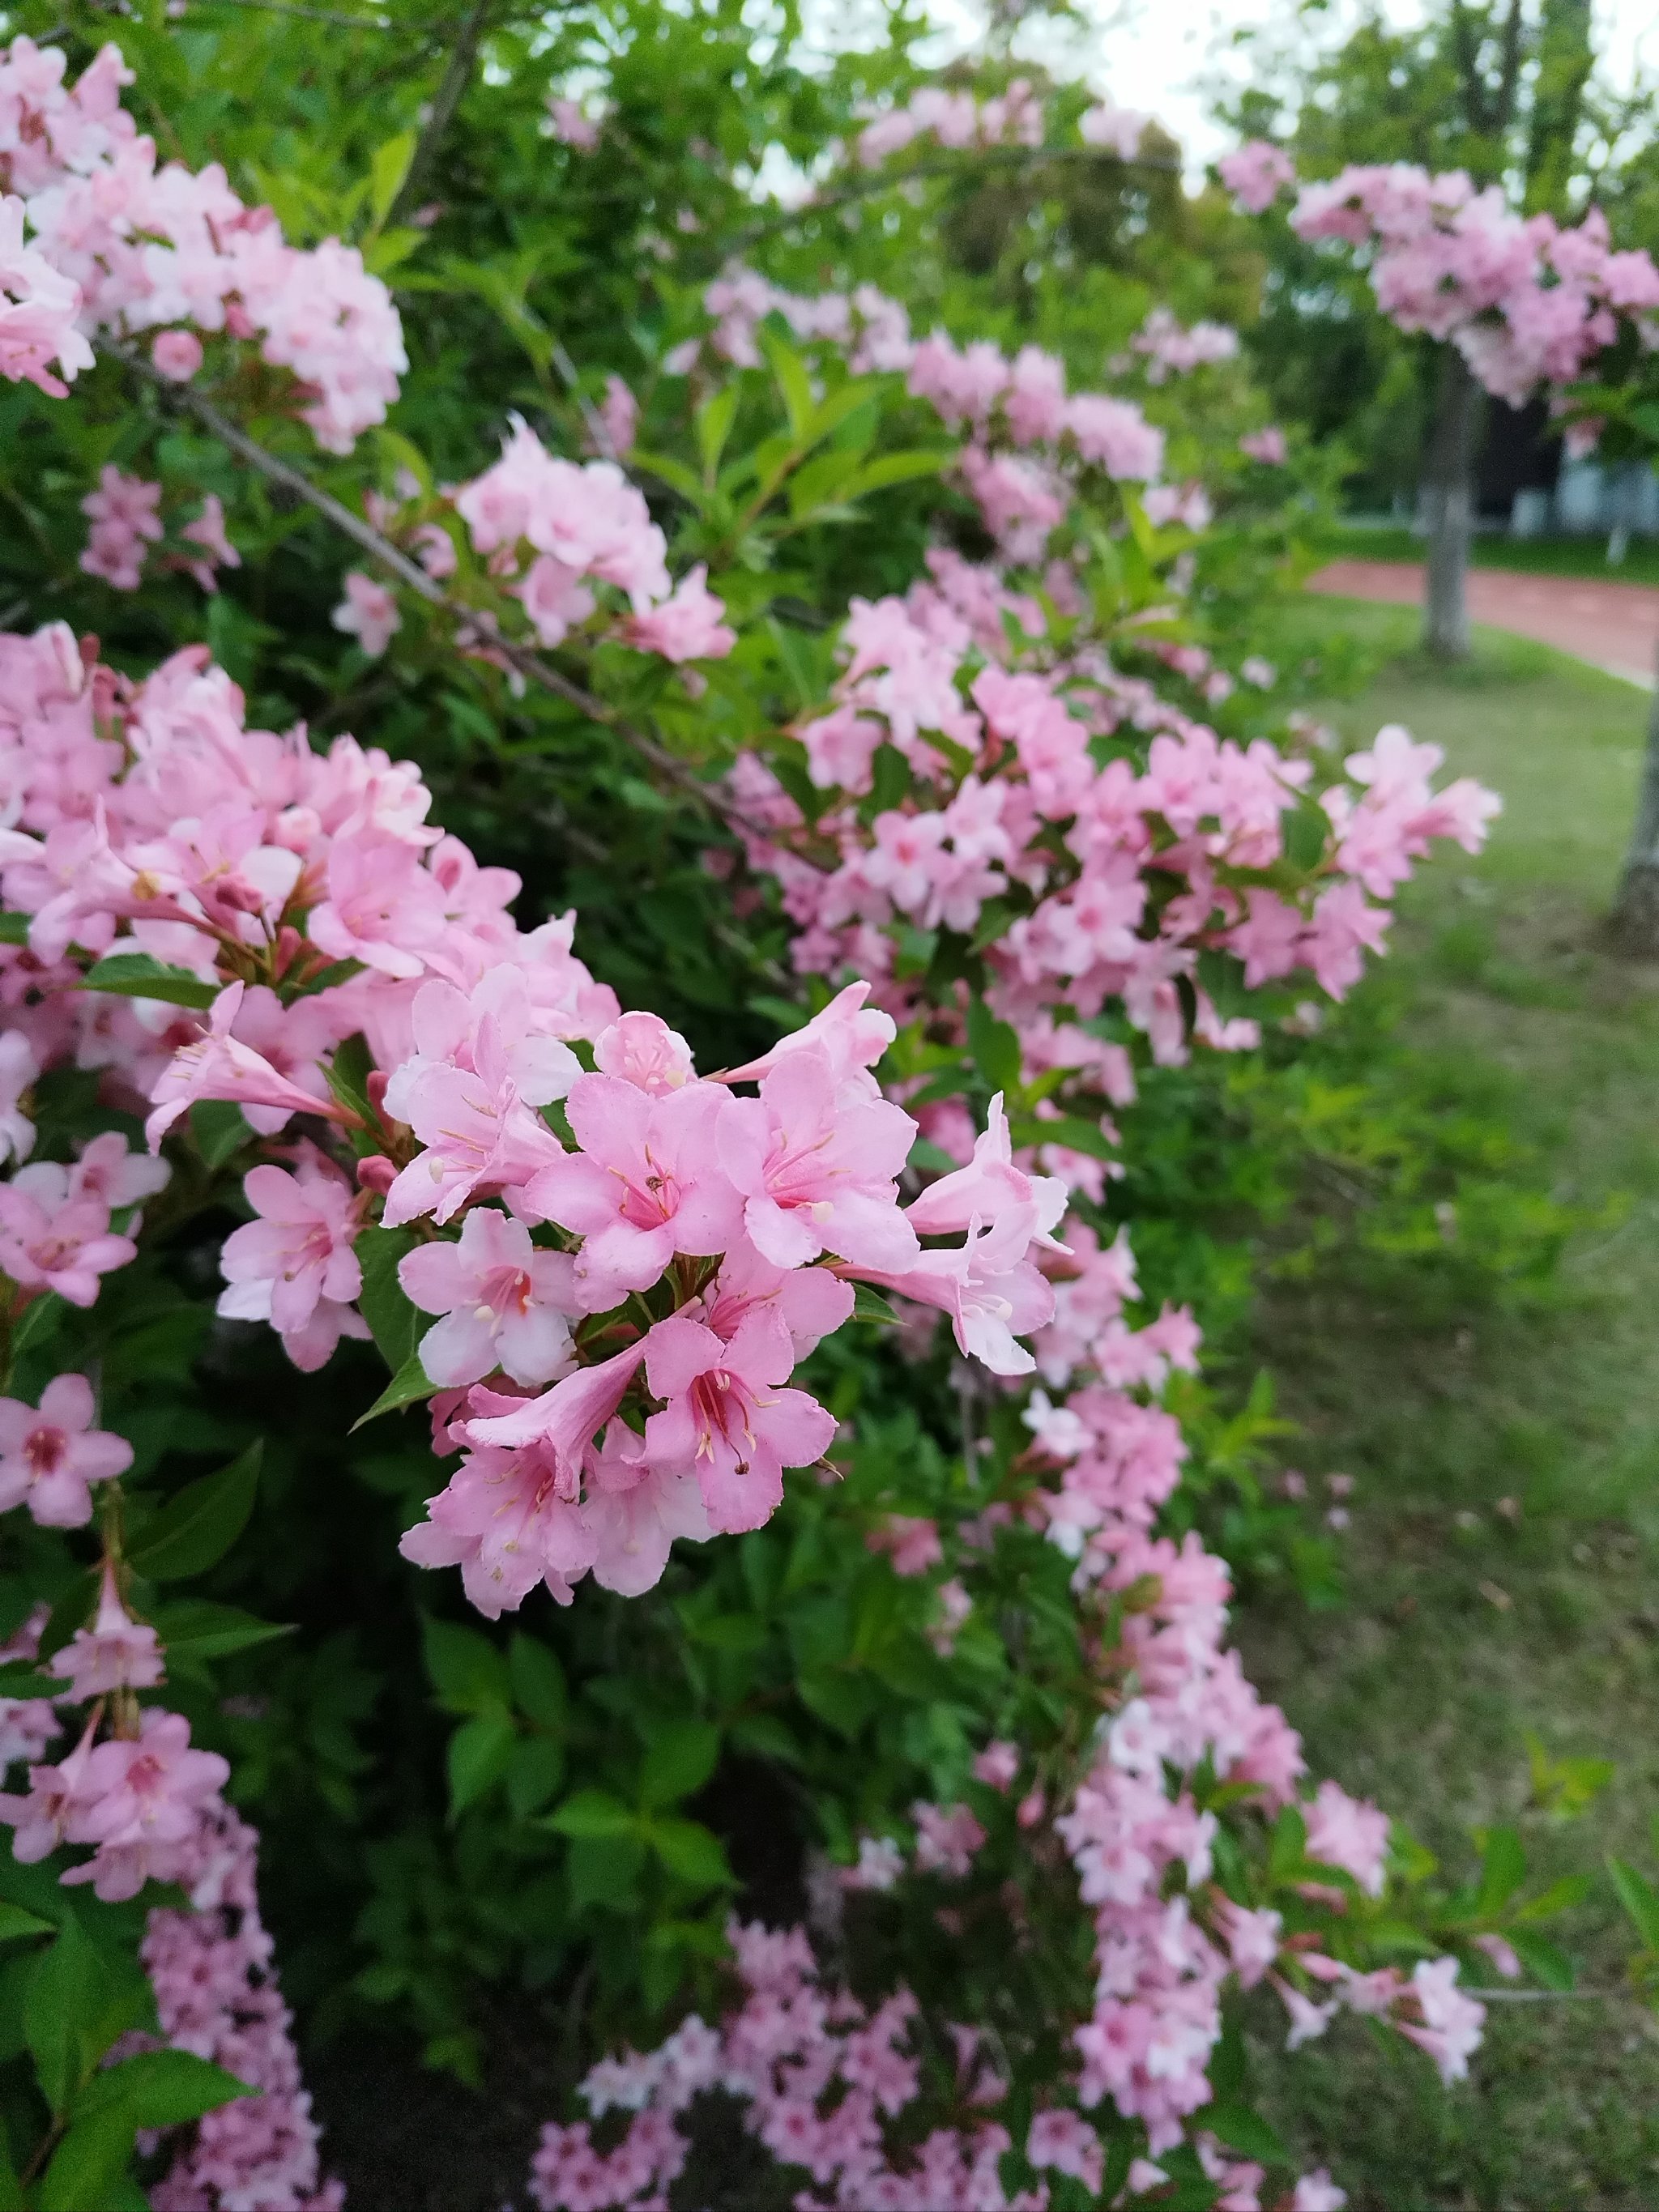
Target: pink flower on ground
(116, 1652)
(816, 1175)
(298, 1252)
(48, 1458)
(726, 1420)
(177, 354)
(644, 1186)
(368, 612)
(50, 1245)
(504, 1304)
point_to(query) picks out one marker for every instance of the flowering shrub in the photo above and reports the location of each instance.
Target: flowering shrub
(904, 752)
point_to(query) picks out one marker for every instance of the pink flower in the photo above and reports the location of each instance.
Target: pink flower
(561, 1422)
(208, 530)
(990, 1289)
(508, 1520)
(642, 1049)
(1117, 130)
(644, 1186)
(298, 1252)
(812, 1302)
(619, 411)
(38, 309)
(854, 1035)
(177, 356)
(382, 907)
(910, 1541)
(1317, 2192)
(217, 1066)
(1267, 446)
(634, 1511)
(1347, 1832)
(139, 1802)
(1452, 2024)
(1256, 174)
(368, 612)
(48, 1243)
(996, 1766)
(124, 515)
(116, 1652)
(47, 1459)
(687, 627)
(109, 1171)
(818, 1175)
(504, 1304)
(18, 1070)
(726, 1420)
(947, 1838)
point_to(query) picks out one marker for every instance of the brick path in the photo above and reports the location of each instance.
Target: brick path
(1615, 626)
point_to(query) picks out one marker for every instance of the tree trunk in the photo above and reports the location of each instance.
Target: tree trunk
(1449, 504)
(1636, 910)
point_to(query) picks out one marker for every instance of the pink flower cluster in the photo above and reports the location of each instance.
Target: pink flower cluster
(1526, 302)
(1115, 129)
(1118, 876)
(1171, 349)
(558, 527)
(955, 120)
(1256, 174)
(126, 520)
(118, 245)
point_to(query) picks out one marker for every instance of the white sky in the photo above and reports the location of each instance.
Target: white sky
(1157, 54)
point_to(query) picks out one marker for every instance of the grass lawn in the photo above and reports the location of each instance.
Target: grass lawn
(1505, 1531)
(1536, 557)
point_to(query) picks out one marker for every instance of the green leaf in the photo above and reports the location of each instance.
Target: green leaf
(891, 468)
(194, 1530)
(41, 1318)
(467, 1670)
(1546, 1962)
(605, 1871)
(141, 976)
(159, 2089)
(1502, 1870)
(994, 1046)
(1246, 2132)
(63, 2013)
(868, 1304)
(692, 1853)
(793, 380)
(479, 1751)
(672, 472)
(1288, 1851)
(219, 1129)
(1640, 1899)
(539, 1688)
(14, 928)
(195, 1628)
(14, 1921)
(388, 167)
(593, 1815)
(714, 419)
(678, 1759)
(88, 2170)
(534, 1774)
(394, 1321)
(408, 1385)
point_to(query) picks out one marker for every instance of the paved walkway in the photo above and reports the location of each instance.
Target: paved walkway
(1615, 626)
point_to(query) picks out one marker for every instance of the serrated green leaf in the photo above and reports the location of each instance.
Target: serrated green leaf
(466, 1670)
(593, 1815)
(678, 1759)
(194, 1530)
(537, 1679)
(410, 1385)
(994, 1045)
(141, 976)
(692, 1853)
(479, 1753)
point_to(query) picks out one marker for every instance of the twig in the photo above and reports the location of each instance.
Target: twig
(456, 79)
(310, 15)
(944, 166)
(524, 657)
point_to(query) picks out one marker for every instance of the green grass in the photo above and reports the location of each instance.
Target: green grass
(1534, 557)
(1467, 1630)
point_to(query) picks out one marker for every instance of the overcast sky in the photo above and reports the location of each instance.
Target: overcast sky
(1158, 54)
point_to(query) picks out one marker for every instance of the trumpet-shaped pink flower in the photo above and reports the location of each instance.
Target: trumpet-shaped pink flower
(645, 1185)
(853, 1034)
(727, 1421)
(218, 1066)
(141, 1804)
(562, 1422)
(48, 1243)
(988, 1287)
(116, 1653)
(368, 612)
(299, 1251)
(473, 1112)
(504, 1304)
(634, 1510)
(508, 1520)
(382, 908)
(642, 1049)
(48, 1458)
(818, 1175)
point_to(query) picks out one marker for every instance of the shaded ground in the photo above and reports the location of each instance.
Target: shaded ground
(1613, 625)
(1506, 1525)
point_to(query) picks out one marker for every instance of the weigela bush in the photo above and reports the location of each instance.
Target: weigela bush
(969, 804)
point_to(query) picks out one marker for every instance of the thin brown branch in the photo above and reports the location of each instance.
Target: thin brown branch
(462, 61)
(523, 658)
(878, 180)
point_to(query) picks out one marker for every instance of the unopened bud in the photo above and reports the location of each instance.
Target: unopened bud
(374, 1089)
(376, 1173)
